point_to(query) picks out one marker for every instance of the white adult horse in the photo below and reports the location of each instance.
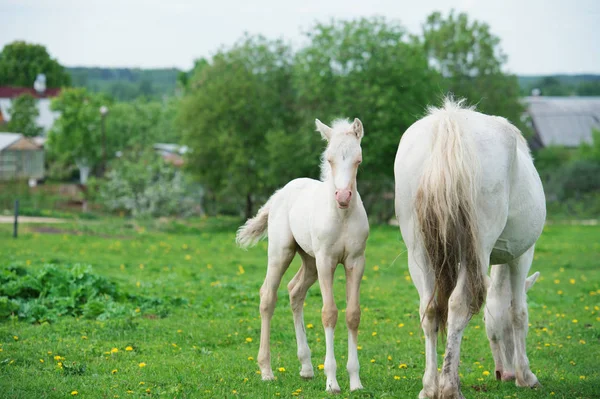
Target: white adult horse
(326, 223)
(467, 194)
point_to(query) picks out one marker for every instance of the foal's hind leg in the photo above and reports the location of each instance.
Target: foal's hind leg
(281, 254)
(520, 318)
(355, 268)
(302, 281)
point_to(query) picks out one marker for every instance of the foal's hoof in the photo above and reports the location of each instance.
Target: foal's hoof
(267, 376)
(307, 374)
(333, 388)
(356, 387)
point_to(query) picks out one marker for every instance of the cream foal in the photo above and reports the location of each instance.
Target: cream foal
(326, 223)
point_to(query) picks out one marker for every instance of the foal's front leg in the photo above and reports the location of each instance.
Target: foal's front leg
(354, 272)
(329, 314)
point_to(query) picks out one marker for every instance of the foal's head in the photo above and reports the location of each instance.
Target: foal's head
(342, 157)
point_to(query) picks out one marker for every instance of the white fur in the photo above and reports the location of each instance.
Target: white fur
(510, 213)
(303, 217)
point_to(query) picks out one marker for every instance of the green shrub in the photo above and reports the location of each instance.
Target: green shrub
(75, 290)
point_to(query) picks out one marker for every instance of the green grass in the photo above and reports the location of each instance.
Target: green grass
(207, 347)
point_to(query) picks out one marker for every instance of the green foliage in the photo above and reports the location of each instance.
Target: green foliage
(23, 115)
(143, 184)
(55, 291)
(141, 123)
(126, 84)
(231, 105)
(21, 62)
(561, 85)
(469, 57)
(76, 136)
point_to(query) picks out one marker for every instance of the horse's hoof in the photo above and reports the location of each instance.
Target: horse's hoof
(307, 375)
(508, 376)
(268, 376)
(334, 389)
(527, 379)
(427, 395)
(356, 387)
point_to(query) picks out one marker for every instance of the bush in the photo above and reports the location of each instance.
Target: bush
(75, 290)
(145, 185)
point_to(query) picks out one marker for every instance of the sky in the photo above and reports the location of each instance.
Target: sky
(539, 36)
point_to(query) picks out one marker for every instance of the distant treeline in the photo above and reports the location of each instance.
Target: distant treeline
(126, 84)
(561, 85)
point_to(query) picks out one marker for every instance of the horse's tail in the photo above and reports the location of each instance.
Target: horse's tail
(445, 207)
(255, 228)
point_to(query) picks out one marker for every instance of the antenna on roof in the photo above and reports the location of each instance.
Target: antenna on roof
(40, 84)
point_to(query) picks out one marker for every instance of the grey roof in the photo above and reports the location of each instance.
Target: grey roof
(7, 139)
(566, 121)
(45, 118)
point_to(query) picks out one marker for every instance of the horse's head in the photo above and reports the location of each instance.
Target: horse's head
(342, 157)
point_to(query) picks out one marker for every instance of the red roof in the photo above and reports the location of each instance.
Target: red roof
(13, 92)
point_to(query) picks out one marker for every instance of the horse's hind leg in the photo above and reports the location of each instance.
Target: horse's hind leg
(520, 318)
(424, 281)
(355, 268)
(282, 249)
(302, 281)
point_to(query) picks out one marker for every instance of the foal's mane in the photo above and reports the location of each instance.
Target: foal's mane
(338, 126)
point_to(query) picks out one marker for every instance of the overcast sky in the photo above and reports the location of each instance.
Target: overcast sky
(539, 36)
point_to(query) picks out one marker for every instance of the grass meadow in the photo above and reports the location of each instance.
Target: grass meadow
(204, 344)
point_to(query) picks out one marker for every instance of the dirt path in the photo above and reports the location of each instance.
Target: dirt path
(30, 219)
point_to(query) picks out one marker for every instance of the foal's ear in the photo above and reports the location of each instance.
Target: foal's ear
(323, 129)
(530, 280)
(357, 128)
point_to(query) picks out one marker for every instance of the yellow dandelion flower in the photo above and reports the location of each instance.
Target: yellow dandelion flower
(128, 348)
(559, 292)
(389, 357)
(376, 268)
(486, 373)
(321, 366)
(557, 281)
(309, 325)
(281, 369)
(114, 371)
(142, 383)
(234, 392)
(74, 393)
(582, 377)
(402, 366)
(246, 379)
(574, 321)
(582, 342)
(359, 347)
(374, 333)
(142, 364)
(372, 360)
(572, 281)
(396, 377)
(401, 325)
(114, 350)
(407, 278)
(248, 339)
(16, 338)
(250, 358)
(84, 337)
(179, 331)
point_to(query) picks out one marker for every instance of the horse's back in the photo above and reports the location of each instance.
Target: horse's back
(510, 212)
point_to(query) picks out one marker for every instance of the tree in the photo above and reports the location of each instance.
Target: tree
(230, 106)
(23, 115)
(76, 136)
(21, 62)
(370, 69)
(470, 59)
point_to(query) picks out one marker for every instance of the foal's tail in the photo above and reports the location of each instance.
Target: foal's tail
(254, 229)
(445, 207)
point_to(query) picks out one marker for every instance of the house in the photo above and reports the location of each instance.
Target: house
(563, 121)
(171, 153)
(46, 116)
(20, 158)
